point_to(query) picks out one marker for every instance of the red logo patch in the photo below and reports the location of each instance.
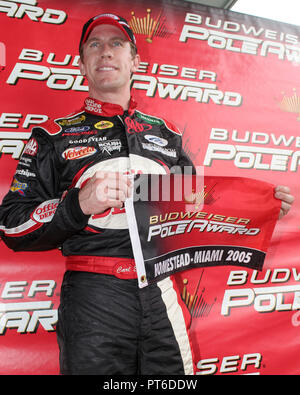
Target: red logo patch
(136, 127)
(45, 211)
(78, 152)
(31, 147)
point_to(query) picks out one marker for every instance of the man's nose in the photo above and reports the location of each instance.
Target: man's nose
(106, 51)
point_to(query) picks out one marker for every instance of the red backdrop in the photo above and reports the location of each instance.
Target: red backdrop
(229, 82)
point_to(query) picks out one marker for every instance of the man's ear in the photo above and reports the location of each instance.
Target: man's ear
(136, 63)
(81, 67)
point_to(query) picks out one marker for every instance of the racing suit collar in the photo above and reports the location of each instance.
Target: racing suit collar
(97, 107)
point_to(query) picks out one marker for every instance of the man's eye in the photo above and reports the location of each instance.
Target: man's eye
(117, 43)
(94, 44)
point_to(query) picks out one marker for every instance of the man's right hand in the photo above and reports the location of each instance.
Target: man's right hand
(103, 191)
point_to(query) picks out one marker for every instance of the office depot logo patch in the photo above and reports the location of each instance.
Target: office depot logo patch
(78, 152)
(45, 211)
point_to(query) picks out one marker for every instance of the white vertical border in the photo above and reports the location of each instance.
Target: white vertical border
(175, 314)
(136, 243)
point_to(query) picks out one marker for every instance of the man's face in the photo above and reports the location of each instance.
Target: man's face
(107, 60)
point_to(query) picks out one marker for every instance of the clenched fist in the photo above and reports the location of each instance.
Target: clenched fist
(103, 191)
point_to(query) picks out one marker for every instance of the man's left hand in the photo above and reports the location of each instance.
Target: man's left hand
(283, 193)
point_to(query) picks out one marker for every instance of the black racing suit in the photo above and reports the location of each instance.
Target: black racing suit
(41, 211)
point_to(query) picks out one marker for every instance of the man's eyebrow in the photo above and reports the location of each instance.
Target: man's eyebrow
(92, 39)
(111, 39)
(119, 38)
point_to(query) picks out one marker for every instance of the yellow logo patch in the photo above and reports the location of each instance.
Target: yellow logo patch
(104, 125)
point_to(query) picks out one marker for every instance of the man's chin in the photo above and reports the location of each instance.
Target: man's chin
(108, 86)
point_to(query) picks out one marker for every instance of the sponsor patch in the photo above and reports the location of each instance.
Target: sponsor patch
(87, 140)
(25, 161)
(77, 129)
(78, 152)
(110, 146)
(133, 126)
(91, 105)
(149, 119)
(104, 125)
(45, 211)
(156, 140)
(74, 121)
(25, 173)
(18, 187)
(31, 147)
(157, 148)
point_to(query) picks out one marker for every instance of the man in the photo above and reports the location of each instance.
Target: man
(73, 198)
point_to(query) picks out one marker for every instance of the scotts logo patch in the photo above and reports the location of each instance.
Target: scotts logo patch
(149, 119)
(104, 125)
(45, 211)
(31, 147)
(78, 152)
